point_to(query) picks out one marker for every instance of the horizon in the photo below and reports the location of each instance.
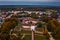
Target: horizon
(29, 3)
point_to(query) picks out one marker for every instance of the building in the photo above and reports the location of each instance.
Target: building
(28, 22)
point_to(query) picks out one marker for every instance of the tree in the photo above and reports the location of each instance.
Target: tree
(57, 35)
(39, 24)
(54, 14)
(55, 27)
(9, 24)
(34, 15)
(45, 18)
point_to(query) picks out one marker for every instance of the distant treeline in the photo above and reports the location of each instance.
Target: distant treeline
(27, 7)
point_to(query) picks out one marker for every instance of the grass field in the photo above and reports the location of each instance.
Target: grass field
(28, 37)
(36, 36)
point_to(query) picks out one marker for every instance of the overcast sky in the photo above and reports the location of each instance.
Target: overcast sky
(30, 2)
(34, 0)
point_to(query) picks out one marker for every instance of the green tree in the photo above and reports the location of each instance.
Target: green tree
(45, 18)
(34, 15)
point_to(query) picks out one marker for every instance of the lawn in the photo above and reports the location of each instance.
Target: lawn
(36, 36)
(28, 37)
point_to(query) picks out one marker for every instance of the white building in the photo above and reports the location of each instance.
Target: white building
(29, 22)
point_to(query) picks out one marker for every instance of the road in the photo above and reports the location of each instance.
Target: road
(51, 38)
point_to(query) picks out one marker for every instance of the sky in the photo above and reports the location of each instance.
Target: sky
(30, 2)
(35, 0)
